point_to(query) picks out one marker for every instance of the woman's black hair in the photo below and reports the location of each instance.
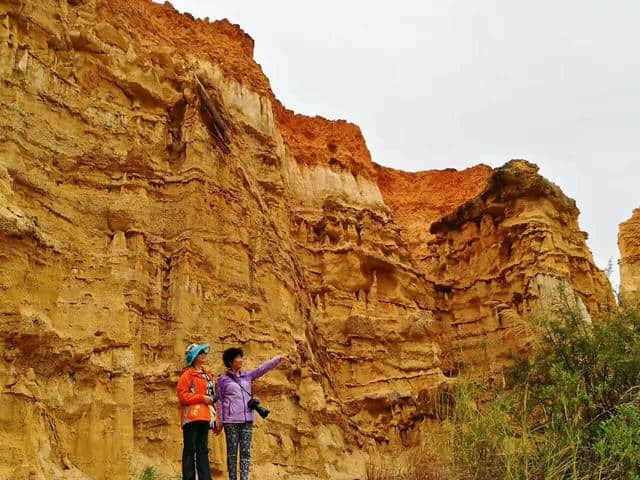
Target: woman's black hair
(230, 355)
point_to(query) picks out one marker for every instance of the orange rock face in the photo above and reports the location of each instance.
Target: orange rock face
(423, 197)
(126, 234)
(629, 243)
(318, 141)
(418, 199)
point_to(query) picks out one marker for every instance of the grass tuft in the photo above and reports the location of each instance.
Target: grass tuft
(152, 473)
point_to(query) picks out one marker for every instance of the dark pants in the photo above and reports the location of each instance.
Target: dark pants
(195, 453)
(238, 438)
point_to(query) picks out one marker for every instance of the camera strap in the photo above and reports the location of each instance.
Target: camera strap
(233, 377)
(211, 386)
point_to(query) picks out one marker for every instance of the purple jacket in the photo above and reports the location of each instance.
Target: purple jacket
(233, 400)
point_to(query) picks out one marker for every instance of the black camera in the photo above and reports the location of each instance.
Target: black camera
(254, 404)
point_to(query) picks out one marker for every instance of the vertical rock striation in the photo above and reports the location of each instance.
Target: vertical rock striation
(128, 232)
(629, 243)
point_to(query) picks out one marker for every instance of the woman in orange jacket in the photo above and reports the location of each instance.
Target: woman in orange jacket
(198, 413)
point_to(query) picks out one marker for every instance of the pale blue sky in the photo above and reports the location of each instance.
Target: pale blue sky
(452, 83)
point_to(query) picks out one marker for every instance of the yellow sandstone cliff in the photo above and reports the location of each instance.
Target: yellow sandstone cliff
(629, 243)
(127, 233)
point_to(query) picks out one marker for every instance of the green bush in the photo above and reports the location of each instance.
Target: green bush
(568, 413)
(618, 447)
(578, 381)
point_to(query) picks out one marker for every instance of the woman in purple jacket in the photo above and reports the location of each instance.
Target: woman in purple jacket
(234, 393)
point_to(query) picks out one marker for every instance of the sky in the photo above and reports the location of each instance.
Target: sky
(454, 83)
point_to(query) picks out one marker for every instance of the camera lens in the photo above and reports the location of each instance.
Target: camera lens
(262, 411)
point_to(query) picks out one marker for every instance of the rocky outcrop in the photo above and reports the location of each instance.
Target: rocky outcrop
(505, 244)
(514, 249)
(127, 232)
(629, 243)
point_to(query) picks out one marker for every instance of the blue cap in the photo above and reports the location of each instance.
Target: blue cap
(193, 351)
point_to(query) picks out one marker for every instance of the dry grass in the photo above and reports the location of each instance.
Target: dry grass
(415, 464)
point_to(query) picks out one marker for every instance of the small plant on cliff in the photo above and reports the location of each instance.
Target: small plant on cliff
(152, 473)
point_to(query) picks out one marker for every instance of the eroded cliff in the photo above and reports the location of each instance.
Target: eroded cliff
(629, 243)
(127, 232)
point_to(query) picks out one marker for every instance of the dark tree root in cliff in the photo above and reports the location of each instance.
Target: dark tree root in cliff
(214, 121)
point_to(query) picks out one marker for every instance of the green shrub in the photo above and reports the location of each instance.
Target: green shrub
(618, 447)
(568, 412)
(578, 381)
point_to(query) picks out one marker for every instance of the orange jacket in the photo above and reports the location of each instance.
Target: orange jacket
(192, 389)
